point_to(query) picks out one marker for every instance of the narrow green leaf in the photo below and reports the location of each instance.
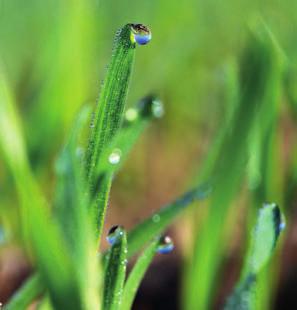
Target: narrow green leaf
(159, 221)
(115, 153)
(263, 241)
(73, 215)
(137, 274)
(24, 296)
(41, 234)
(259, 75)
(109, 114)
(135, 121)
(115, 273)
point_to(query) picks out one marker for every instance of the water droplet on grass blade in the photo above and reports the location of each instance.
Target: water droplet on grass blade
(115, 157)
(156, 218)
(140, 34)
(131, 114)
(157, 108)
(114, 233)
(282, 226)
(165, 245)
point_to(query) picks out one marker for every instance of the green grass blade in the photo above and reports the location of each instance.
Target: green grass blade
(259, 74)
(41, 235)
(263, 241)
(115, 273)
(115, 153)
(24, 296)
(135, 121)
(159, 221)
(73, 214)
(109, 114)
(137, 274)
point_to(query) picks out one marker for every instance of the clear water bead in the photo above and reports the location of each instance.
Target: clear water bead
(165, 245)
(140, 34)
(114, 233)
(115, 157)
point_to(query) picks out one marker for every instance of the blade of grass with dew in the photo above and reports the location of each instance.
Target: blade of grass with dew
(135, 121)
(109, 114)
(137, 273)
(40, 234)
(115, 273)
(259, 71)
(159, 221)
(73, 215)
(263, 241)
(23, 297)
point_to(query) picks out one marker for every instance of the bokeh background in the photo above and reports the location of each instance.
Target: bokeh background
(54, 55)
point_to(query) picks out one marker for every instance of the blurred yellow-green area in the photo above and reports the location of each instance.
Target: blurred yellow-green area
(54, 54)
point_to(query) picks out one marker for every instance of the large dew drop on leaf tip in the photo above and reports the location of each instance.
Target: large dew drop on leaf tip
(165, 245)
(114, 233)
(140, 34)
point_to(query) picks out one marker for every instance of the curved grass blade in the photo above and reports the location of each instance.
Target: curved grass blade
(23, 297)
(260, 68)
(115, 273)
(135, 121)
(114, 154)
(263, 241)
(159, 221)
(137, 274)
(41, 235)
(109, 114)
(73, 215)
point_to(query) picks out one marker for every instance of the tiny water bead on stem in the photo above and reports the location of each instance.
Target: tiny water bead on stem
(140, 34)
(114, 233)
(165, 245)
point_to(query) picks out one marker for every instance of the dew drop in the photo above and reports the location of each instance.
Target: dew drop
(156, 218)
(282, 226)
(140, 34)
(114, 232)
(157, 108)
(131, 114)
(115, 157)
(166, 245)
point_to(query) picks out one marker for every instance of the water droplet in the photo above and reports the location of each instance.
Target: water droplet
(166, 245)
(156, 218)
(115, 157)
(140, 34)
(282, 226)
(157, 108)
(131, 114)
(114, 233)
(151, 106)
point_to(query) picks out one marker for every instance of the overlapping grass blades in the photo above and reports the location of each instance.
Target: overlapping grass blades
(108, 118)
(269, 224)
(259, 74)
(41, 235)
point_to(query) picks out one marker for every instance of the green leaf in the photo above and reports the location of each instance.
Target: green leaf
(263, 241)
(41, 234)
(115, 273)
(71, 210)
(137, 274)
(259, 74)
(108, 117)
(24, 296)
(135, 121)
(159, 221)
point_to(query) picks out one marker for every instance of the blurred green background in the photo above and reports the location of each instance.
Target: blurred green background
(54, 55)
